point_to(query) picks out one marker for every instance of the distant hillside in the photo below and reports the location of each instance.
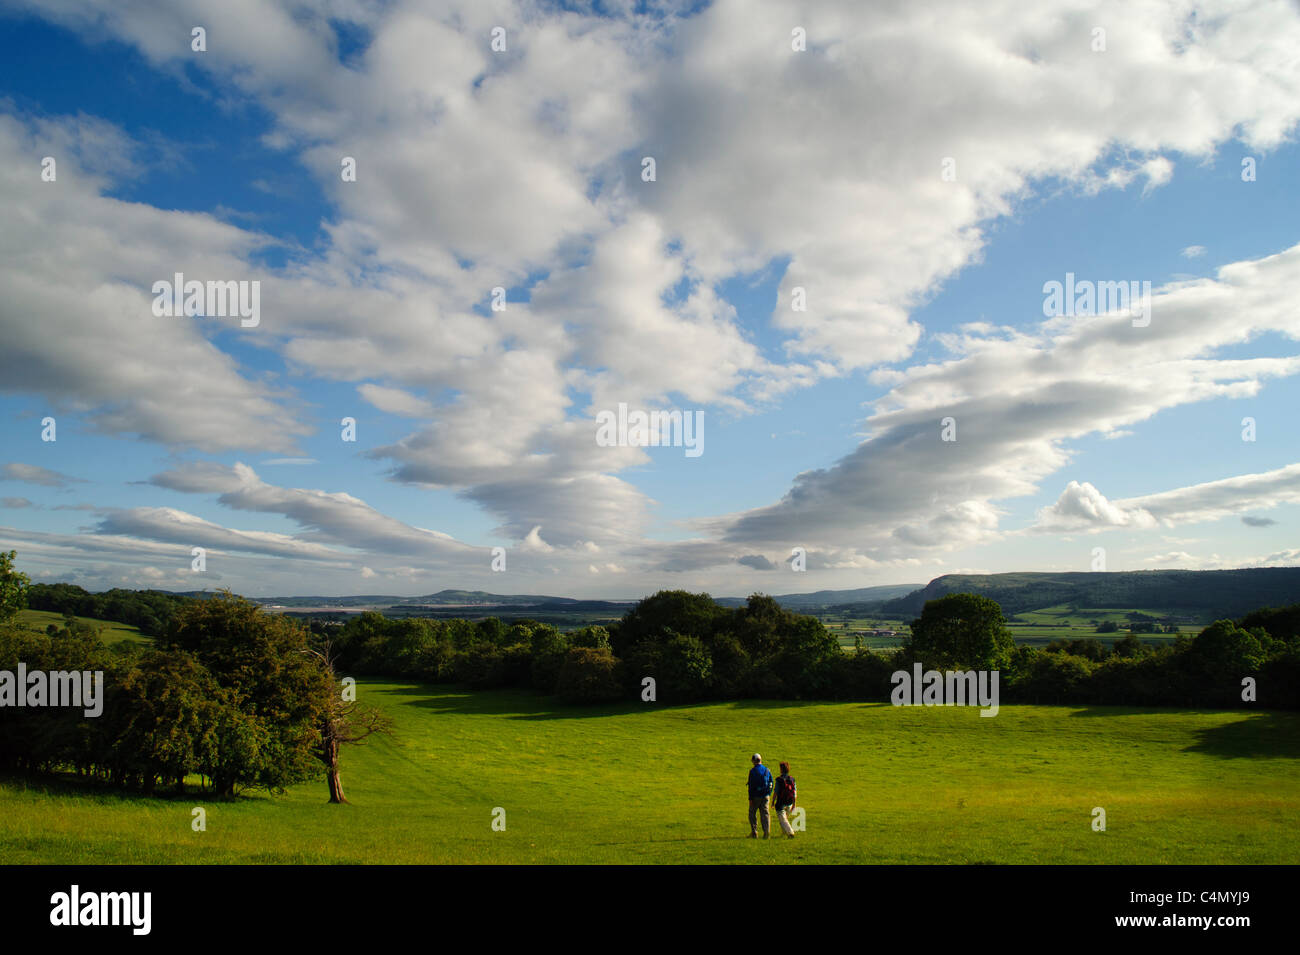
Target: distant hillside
(443, 598)
(1204, 594)
(822, 599)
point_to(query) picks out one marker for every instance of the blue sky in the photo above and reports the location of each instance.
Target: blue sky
(777, 169)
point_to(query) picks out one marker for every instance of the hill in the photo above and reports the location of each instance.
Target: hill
(478, 598)
(868, 597)
(443, 598)
(1205, 595)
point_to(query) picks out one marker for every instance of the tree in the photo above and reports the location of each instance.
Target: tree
(589, 675)
(13, 586)
(594, 636)
(668, 611)
(1224, 649)
(962, 630)
(343, 721)
(261, 658)
(547, 648)
(1130, 646)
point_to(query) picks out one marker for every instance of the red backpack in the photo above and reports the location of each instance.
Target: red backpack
(785, 790)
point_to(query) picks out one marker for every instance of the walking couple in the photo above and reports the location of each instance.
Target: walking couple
(761, 787)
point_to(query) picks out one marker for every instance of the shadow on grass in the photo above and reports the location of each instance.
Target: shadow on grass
(1107, 709)
(524, 705)
(1263, 733)
(70, 784)
(1271, 733)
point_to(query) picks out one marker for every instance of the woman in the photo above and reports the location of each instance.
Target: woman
(783, 798)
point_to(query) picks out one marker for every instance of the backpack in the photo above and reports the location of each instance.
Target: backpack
(785, 790)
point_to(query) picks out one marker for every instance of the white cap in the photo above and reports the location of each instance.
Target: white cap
(757, 757)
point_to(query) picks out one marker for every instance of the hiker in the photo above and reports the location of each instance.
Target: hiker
(760, 787)
(783, 799)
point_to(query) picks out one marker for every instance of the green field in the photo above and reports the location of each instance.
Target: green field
(109, 631)
(644, 783)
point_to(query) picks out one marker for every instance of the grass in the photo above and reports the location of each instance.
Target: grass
(635, 783)
(109, 631)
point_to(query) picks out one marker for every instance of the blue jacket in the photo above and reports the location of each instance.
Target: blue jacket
(760, 782)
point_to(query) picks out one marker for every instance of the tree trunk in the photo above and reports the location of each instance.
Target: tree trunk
(330, 750)
(336, 786)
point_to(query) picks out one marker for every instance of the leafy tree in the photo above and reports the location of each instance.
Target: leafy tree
(490, 630)
(1087, 647)
(548, 648)
(13, 586)
(1223, 648)
(161, 723)
(961, 630)
(663, 613)
(685, 669)
(1130, 646)
(805, 650)
(759, 626)
(1281, 623)
(264, 660)
(1041, 677)
(594, 636)
(589, 675)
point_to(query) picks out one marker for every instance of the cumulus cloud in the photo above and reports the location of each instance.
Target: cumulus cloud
(1083, 507)
(76, 309)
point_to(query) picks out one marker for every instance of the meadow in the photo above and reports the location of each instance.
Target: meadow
(109, 631)
(641, 783)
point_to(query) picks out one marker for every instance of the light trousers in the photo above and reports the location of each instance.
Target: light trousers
(781, 817)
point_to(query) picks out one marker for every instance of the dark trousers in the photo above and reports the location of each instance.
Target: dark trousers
(759, 806)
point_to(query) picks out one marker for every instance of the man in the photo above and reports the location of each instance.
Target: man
(760, 787)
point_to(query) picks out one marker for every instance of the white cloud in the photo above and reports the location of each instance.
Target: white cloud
(396, 401)
(1083, 507)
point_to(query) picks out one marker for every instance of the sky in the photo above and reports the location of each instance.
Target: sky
(467, 234)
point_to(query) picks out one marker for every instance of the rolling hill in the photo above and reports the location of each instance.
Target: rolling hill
(1204, 594)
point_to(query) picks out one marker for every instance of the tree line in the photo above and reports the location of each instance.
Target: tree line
(695, 650)
(148, 610)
